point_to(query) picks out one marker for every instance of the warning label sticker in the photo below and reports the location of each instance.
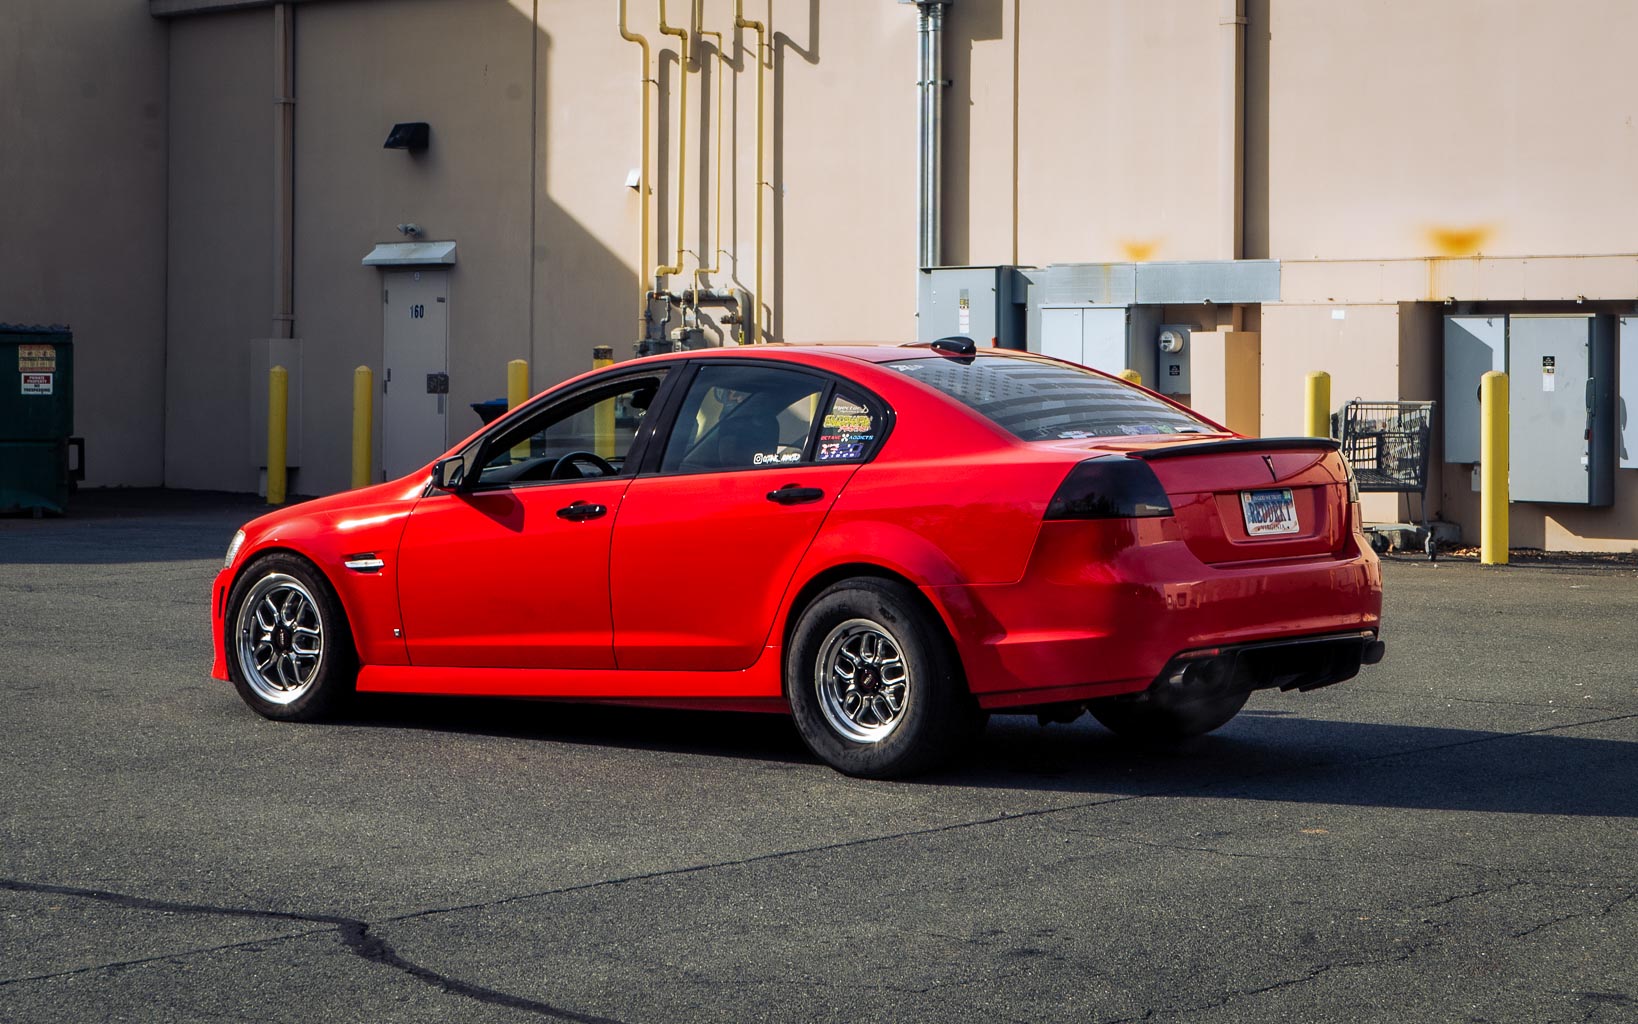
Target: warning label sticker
(37, 383)
(37, 357)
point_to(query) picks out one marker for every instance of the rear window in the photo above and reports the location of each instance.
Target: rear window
(1038, 400)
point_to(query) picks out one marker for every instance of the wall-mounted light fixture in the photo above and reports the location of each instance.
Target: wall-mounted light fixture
(410, 135)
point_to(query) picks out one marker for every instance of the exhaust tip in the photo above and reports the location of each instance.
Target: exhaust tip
(1373, 652)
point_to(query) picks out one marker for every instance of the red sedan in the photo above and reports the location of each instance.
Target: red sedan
(887, 543)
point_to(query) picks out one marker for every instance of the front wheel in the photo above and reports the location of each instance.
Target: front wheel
(290, 654)
(873, 683)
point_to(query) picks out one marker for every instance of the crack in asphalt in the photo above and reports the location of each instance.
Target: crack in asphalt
(1608, 909)
(356, 937)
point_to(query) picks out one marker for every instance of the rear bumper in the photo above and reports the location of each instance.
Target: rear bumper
(1106, 612)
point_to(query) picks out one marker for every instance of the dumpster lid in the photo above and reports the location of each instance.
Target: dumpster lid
(410, 254)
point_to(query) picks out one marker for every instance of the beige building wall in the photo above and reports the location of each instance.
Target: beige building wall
(82, 212)
(1397, 157)
(466, 69)
(1451, 128)
(219, 271)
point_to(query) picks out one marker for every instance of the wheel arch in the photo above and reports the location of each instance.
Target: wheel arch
(342, 597)
(832, 575)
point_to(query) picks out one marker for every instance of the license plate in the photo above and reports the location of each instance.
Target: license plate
(1269, 512)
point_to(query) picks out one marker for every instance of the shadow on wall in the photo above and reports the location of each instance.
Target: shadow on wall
(965, 25)
(782, 44)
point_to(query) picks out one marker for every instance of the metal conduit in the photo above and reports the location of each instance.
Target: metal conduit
(930, 80)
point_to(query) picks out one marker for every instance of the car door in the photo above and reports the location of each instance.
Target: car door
(705, 547)
(512, 570)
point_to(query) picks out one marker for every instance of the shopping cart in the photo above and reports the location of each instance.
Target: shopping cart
(1386, 444)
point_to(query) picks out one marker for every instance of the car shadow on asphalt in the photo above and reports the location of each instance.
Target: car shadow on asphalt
(1261, 755)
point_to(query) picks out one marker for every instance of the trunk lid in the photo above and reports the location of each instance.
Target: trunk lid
(1229, 496)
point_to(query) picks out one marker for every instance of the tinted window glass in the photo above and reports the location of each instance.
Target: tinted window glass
(1039, 400)
(743, 417)
(850, 429)
(554, 444)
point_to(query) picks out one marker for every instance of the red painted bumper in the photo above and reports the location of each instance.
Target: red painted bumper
(1103, 607)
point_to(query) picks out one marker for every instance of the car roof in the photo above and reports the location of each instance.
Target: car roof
(868, 352)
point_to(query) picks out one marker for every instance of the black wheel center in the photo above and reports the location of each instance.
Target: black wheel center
(281, 639)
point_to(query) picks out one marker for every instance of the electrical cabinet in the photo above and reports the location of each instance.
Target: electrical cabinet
(985, 304)
(1107, 338)
(1474, 345)
(1562, 385)
(1626, 398)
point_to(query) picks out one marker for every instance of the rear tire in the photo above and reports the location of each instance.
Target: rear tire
(290, 652)
(1146, 720)
(874, 684)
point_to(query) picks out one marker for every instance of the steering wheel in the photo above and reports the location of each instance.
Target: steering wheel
(561, 466)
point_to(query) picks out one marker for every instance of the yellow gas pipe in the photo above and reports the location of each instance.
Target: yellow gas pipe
(740, 21)
(682, 33)
(701, 270)
(642, 173)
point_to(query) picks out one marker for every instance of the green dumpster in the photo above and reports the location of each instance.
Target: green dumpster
(37, 419)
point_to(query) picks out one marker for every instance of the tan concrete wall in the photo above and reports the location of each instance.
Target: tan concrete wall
(1411, 129)
(220, 262)
(1075, 131)
(82, 212)
(465, 68)
(1359, 349)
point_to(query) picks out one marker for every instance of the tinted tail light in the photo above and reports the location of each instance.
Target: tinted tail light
(1110, 488)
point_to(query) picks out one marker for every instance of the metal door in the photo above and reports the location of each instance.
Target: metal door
(1474, 345)
(1549, 360)
(415, 369)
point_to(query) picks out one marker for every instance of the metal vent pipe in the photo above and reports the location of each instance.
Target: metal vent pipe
(930, 80)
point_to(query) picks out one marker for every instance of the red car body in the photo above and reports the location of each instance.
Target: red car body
(685, 593)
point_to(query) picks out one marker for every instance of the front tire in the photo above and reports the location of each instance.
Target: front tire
(289, 650)
(873, 683)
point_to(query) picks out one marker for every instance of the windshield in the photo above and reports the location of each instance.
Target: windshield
(1038, 400)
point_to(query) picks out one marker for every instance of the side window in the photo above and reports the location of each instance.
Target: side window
(586, 435)
(850, 430)
(743, 417)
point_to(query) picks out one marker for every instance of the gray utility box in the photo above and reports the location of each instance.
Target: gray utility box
(1108, 338)
(1627, 396)
(1562, 384)
(1563, 431)
(1474, 345)
(985, 304)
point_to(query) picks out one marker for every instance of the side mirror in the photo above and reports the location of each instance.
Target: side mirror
(448, 474)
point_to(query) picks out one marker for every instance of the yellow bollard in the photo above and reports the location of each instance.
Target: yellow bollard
(1494, 460)
(517, 392)
(1132, 377)
(278, 425)
(363, 424)
(603, 355)
(1316, 410)
(517, 383)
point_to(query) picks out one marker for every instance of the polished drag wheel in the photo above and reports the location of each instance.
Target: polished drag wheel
(874, 683)
(863, 683)
(281, 638)
(289, 652)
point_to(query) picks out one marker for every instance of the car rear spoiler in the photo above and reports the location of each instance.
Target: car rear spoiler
(1240, 444)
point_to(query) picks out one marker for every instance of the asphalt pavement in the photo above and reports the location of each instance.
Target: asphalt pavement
(1453, 836)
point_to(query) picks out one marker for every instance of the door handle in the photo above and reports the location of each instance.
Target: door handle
(580, 510)
(791, 494)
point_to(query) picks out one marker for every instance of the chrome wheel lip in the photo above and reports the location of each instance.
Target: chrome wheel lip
(862, 681)
(279, 638)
